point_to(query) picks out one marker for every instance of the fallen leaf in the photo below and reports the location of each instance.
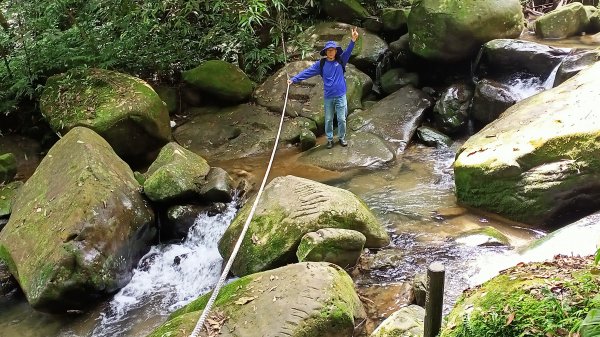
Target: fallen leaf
(244, 300)
(510, 318)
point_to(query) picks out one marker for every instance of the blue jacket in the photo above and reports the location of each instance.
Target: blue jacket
(334, 84)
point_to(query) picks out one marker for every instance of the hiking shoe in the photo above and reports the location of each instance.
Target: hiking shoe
(343, 142)
(329, 144)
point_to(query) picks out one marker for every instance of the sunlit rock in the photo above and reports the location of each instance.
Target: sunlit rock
(303, 299)
(334, 245)
(562, 22)
(405, 322)
(539, 158)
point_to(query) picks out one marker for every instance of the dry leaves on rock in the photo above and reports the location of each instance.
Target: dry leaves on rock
(214, 323)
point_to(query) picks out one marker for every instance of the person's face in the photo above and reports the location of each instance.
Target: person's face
(330, 53)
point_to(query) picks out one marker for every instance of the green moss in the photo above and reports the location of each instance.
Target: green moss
(231, 290)
(540, 306)
(221, 79)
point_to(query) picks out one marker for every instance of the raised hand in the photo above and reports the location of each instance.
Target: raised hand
(354, 33)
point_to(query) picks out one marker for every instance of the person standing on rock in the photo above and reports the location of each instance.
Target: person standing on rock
(332, 68)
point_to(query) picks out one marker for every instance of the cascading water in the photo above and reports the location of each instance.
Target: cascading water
(168, 277)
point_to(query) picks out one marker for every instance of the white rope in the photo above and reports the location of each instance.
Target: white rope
(225, 272)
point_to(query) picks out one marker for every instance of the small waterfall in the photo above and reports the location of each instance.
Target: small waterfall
(549, 82)
(168, 277)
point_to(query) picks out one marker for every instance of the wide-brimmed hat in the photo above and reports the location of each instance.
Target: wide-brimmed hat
(331, 44)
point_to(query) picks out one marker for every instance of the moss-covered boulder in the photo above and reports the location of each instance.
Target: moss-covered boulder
(396, 78)
(222, 80)
(535, 300)
(563, 22)
(395, 19)
(8, 167)
(347, 11)
(334, 245)
(123, 109)
(176, 174)
(79, 225)
(540, 157)
(7, 194)
(453, 30)
(289, 208)
(299, 300)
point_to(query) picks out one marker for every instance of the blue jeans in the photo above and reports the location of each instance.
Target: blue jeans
(339, 106)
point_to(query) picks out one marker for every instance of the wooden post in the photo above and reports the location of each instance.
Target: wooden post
(434, 300)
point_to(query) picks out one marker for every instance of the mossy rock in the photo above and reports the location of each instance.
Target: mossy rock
(454, 30)
(289, 208)
(221, 79)
(176, 174)
(339, 246)
(7, 194)
(406, 322)
(123, 109)
(395, 19)
(535, 300)
(347, 11)
(563, 22)
(78, 227)
(8, 167)
(299, 300)
(540, 157)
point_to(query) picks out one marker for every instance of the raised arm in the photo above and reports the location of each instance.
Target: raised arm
(353, 37)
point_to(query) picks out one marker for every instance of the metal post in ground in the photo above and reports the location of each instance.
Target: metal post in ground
(434, 300)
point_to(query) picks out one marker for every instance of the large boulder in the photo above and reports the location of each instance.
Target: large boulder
(509, 56)
(79, 226)
(238, 132)
(334, 245)
(123, 109)
(289, 208)
(394, 118)
(574, 63)
(453, 30)
(540, 157)
(299, 300)
(406, 322)
(222, 80)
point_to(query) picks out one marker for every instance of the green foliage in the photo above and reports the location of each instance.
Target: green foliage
(537, 312)
(154, 40)
(590, 326)
(597, 258)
